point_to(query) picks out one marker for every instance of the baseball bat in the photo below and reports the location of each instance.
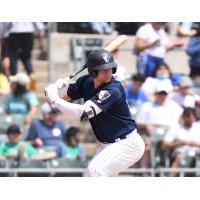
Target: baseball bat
(110, 48)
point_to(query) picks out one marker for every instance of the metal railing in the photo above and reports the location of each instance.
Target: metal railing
(160, 172)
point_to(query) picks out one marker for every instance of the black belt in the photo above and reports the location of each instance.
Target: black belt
(119, 138)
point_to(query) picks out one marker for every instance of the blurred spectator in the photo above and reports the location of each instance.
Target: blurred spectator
(151, 115)
(182, 138)
(197, 110)
(121, 74)
(193, 50)
(184, 96)
(21, 43)
(48, 131)
(185, 29)
(5, 60)
(151, 45)
(134, 95)
(17, 149)
(21, 37)
(101, 27)
(21, 100)
(4, 85)
(74, 148)
(161, 75)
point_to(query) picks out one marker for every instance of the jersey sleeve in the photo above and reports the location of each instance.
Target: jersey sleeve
(75, 90)
(106, 98)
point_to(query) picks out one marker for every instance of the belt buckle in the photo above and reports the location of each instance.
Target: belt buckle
(117, 140)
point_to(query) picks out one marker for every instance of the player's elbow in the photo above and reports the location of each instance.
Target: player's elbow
(90, 110)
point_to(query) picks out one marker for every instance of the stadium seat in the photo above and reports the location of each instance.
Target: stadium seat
(196, 87)
(157, 155)
(2, 164)
(32, 164)
(65, 163)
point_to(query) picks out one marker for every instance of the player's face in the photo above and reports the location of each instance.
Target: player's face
(104, 76)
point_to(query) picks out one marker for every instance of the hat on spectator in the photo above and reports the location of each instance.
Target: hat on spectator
(185, 81)
(163, 87)
(197, 102)
(20, 78)
(46, 108)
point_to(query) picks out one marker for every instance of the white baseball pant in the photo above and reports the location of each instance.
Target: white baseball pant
(112, 158)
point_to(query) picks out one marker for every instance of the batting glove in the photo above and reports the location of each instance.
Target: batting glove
(52, 93)
(62, 86)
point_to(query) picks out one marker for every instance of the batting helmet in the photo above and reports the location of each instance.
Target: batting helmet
(99, 60)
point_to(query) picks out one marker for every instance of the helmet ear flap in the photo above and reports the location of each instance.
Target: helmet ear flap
(114, 70)
(93, 73)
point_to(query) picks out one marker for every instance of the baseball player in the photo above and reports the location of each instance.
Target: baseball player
(107, 110)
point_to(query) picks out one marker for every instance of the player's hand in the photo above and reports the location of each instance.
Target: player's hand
(52, 93)
(62, 85)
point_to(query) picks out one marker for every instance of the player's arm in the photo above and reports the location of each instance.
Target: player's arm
(86, 111)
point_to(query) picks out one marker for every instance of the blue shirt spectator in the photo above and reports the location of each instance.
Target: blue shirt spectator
(21, 100)
(193, 50)
(101, 27)
(48, 131)
(20, 104)
(135, 96)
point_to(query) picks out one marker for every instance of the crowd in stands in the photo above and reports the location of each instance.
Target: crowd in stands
(161, 101)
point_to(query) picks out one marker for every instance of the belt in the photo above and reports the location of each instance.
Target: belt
(120, 138)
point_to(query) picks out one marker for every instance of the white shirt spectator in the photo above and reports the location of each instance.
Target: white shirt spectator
(26, 27)
(184, 101)
(180, 132)
(163, 115)
(150, 84)
(148, 33)
(121, 74)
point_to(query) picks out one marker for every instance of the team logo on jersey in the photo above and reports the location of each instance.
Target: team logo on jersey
(103, 95)
(106, 58)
